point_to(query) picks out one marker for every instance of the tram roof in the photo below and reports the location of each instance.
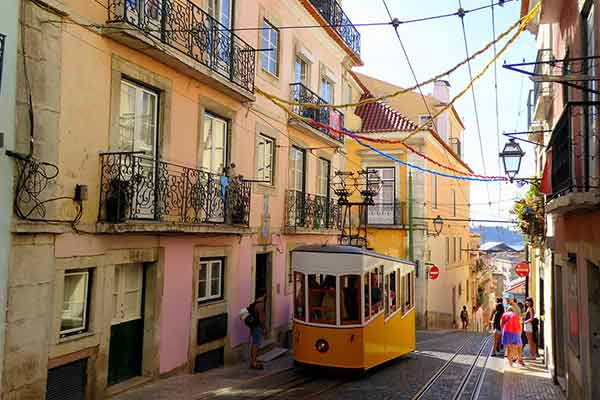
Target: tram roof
(339, 249)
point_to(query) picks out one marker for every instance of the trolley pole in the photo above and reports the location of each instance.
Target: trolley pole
(411, 251)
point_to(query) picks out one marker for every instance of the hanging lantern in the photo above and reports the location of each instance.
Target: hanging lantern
(511, 158)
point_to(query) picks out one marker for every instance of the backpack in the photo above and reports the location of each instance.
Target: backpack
(251, 321)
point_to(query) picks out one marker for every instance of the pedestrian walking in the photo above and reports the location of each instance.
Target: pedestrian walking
(496, 328)
(528, 328)
(479, 319)
(511, 335)
(510, 299)
(464, 317)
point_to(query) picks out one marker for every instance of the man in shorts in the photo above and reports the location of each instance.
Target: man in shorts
(257, 333)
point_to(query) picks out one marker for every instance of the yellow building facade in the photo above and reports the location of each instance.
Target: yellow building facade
(396, 229)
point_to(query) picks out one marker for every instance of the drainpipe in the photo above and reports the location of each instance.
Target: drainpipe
(411, 250)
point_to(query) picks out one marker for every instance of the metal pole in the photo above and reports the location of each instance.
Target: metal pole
(527, 277)
(411, 251)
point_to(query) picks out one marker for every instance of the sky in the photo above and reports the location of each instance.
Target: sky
(436, 45)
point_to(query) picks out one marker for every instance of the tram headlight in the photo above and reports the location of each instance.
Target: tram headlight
(322, 346)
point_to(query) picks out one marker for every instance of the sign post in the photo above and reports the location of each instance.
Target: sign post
(434, 272)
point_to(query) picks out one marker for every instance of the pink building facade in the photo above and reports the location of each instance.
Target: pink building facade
(173, 193)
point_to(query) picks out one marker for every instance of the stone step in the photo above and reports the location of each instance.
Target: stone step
(272, 354)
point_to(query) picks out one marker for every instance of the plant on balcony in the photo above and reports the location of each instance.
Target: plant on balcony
(529, 212)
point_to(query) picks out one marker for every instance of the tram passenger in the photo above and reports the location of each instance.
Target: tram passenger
(376, 297)
(351, 300)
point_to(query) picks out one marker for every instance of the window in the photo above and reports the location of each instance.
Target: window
(297, 158)
(382, 212)
(409, 300)
(265, 148)
(221, 11)
(453, 193)
(322, 299)
(447, 250)
(376, 291)
(214, 144)
(138, 111)
(348, 97)
(460, 249)
(434, 190)
(270, 48)
(75, 307)
(210, 279)
(301, 71)
(127, 293)
(367, 291)
(454, 249)
(327, 90)
(299, 296)
(589, 36)
(350, 299)
(323, 177)
(391, 293)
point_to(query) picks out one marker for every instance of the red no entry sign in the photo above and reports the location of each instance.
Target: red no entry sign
(522, 269)
(434, 272)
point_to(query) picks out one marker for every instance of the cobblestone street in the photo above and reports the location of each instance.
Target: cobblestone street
(446, 365)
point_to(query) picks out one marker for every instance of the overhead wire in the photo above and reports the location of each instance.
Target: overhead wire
(496, 98)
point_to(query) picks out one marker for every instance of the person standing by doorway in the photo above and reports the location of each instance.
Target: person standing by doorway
(496, 328)
(464, 317)
(528, 327)
(257, 330)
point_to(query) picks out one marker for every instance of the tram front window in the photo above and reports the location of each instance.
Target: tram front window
(350, 299)
(321, 299)
(299, 296)
(376, 290)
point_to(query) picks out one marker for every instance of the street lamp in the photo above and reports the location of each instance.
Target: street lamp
(511, 158)
(438, 224)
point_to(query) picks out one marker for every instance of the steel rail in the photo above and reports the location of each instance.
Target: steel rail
(425, 388)
(461, 389)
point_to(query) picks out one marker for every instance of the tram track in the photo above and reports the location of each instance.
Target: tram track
(465, 388)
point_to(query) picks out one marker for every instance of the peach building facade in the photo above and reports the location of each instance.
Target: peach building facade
(172, 194)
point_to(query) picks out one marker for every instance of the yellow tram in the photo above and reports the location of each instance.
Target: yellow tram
(353, 308)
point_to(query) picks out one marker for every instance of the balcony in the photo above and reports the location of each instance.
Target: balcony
(309, 212)
(574, 159)
(387, 214)
(333, 13)
(326, 116)
(135, 188)
(182, 35)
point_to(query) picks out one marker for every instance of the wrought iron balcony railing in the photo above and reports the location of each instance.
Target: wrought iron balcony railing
(387, 213)
(335, 15)
(309, 211)
(326, 116)
(573, 149)
(184, 26)
(135, 187)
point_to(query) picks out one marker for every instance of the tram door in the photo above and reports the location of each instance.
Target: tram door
(262, 284)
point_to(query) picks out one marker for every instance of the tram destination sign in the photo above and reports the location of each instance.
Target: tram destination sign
(434, 272)
(522, 269)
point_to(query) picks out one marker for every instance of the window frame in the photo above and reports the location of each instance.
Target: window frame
(305, 299)
(326, 81)
(226, 142)
(88, 272)
(266, 138)
(321, 162)
(341, 298)
(303, 183)
(268, 28)
(447, 250)
(300, 60)
(212, 297)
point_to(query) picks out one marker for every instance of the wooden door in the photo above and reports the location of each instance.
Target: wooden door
(127, 327)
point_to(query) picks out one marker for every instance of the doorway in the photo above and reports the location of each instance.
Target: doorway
(558, 321)
(262, 283)
(127, 325)
(594, 318)
(454, 323)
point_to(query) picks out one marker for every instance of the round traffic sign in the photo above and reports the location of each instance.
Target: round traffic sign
(522, 269)
(434, 272)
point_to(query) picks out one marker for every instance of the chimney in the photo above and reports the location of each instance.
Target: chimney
(441, 90)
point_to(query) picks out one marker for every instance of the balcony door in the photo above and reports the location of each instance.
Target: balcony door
(220, 41)
(210, 190)
(296, 186)
(322, 195)
(138, 131)
(383, 211)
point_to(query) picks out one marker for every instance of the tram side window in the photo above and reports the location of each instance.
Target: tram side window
(411, 296)
(321, 299)
(350, 299)
(367, 292)
(386, 297)
(408, 299)
(402, 291)
(376, 290)
(392, 292)
(299, 296)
